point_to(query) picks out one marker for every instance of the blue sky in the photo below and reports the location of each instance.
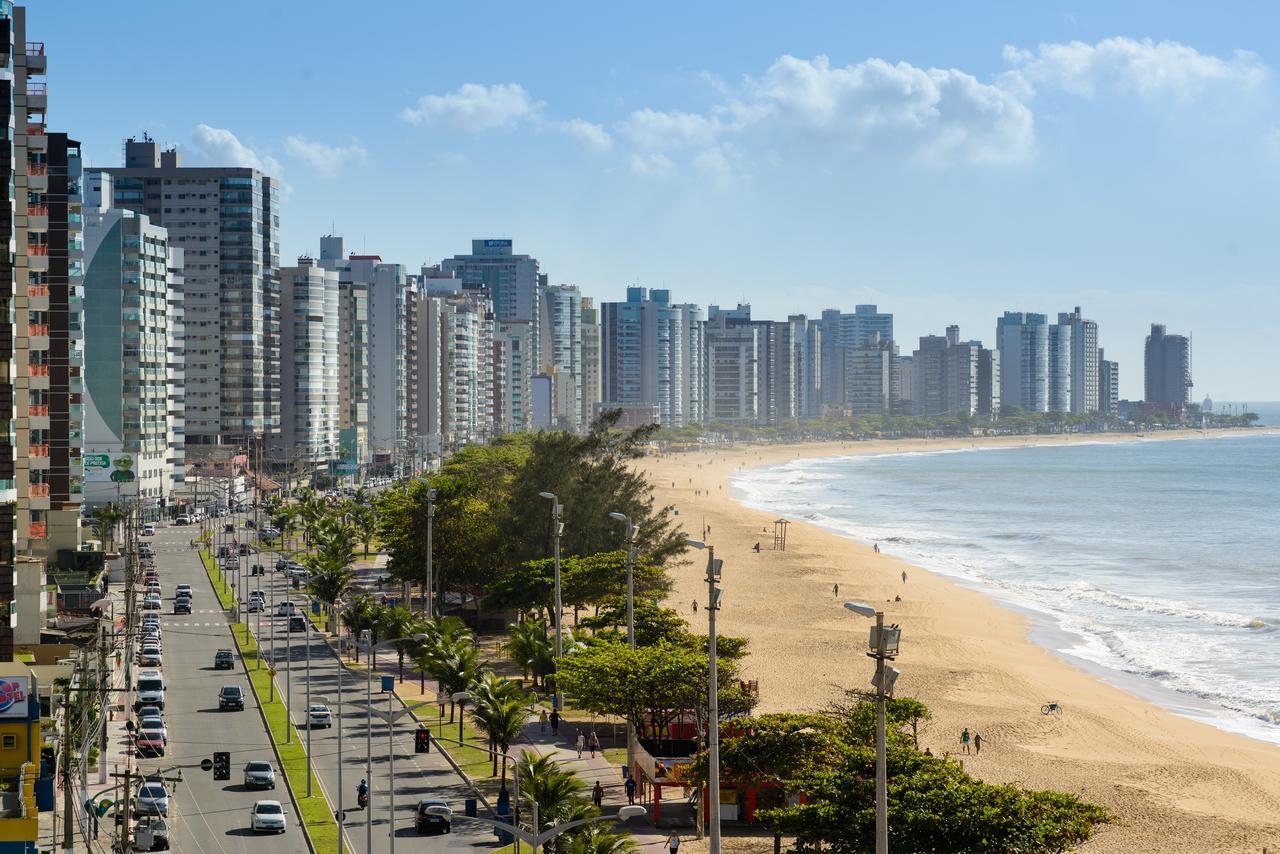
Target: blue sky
(946, 161)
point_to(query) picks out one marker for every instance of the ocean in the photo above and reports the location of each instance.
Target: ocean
(1154, 564)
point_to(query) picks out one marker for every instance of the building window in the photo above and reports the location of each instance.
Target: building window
(10, 742)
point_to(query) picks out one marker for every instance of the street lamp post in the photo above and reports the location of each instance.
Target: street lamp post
(557, 528)
(460, 697)
(372, 653)
(633, 531)
(884, 646)
(515, 775)
(390, 716)
(713, 691)
(431, 515)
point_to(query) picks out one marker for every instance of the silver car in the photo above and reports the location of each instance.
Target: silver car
(153, 799)
(259, 775)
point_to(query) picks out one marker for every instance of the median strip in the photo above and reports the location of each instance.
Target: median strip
(318, 824)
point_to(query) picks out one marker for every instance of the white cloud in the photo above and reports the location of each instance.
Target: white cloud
(1273, 142)
(325, 159)
(650, 164)
(1143, 67)
(473, 107)
(220, 147)
(651, 129)
(590, 136)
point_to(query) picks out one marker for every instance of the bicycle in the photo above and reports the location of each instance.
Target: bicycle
(1051, 709)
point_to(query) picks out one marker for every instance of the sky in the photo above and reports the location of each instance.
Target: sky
(945, 161)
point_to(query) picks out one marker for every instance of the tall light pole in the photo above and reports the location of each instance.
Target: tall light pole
(372, 652)
(884, 646)
(557, 528)
(342, 671)
(713, 691)
(633, 531)
(431, 515)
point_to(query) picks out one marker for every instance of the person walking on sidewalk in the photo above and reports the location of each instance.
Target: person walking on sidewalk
(595, 743)
(597, 795)
(631, 790)
(555, 722)
(542, 720)
(581, 743)
(673, 842)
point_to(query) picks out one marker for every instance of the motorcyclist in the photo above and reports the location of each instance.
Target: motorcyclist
(362, 791)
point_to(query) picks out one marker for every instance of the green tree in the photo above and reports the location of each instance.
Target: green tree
(499, 710)
(401, 624)
(105, 521)
(364, 518)
(558, 794)
(527, 643)
(454, 663)
(594, 839)
(360, 614)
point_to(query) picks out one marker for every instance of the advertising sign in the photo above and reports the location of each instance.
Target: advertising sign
(497, 244)
(104, 466)
(95, 464)
(13, 697)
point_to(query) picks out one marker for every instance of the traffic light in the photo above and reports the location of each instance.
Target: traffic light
(221, 765)
(422, 741)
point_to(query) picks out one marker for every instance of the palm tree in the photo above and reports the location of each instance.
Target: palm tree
(527, 645)
(499, 711)
(558, 793)
(105, 520)
(365, 519)
(455, 665)
(360, 614)
(594, 839)
(399, 622)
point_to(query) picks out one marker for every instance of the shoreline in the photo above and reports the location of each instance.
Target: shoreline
(976, 660)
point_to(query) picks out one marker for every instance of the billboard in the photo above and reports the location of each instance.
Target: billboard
(13, 697)
(497, 244)
(103, 466)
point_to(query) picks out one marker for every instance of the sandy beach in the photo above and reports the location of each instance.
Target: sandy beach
(1173, 784)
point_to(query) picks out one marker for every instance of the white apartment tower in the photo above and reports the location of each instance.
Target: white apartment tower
(309, 387)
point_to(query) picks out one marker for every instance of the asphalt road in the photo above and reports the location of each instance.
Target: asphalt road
(416, 775)
(207, 815)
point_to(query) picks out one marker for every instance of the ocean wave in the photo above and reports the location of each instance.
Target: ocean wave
(1085, 591)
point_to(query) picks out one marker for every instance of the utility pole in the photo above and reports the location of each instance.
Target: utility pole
(713, 695)
(431, 515)
(557, 528)
(68, 833)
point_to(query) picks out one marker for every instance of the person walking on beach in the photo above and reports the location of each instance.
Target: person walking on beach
(964, 741)
(977, 742)
(630, 786)
(904, 576)
(594, 744)
(876, 548)
(582, 742)
(835, 590)
(555, 722)
(673, 842)
(695, 606)
(542, 720)
(597, 794)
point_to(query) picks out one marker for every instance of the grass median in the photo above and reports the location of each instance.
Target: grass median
(317, 817)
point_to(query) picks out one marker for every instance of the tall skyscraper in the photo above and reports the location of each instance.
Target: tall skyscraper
(227, 221)
(1108, 385)
(735, 348)
(388, 380)
(515, 365)
(651, 355)
(1084, 361)
(1023, 342)
(847, 330)
(868, 376)
(512, 281)
(133, 399)
(955, 377)
(353, 356)
(1167, 369)
(806, 337)
(590, 321)
(561, 356)
(1060, 375)
(309, 366)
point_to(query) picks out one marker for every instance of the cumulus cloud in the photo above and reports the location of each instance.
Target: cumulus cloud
(474, 107)
(652, 129)
(650, 164)
(592, 137)
(325, 159)
(1143, 67)
(220, 147)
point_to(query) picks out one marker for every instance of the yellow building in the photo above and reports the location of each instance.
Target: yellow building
(19, 759)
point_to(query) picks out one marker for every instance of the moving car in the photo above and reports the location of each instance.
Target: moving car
(255, 605)
(183, 590)
(297, 623)
(182, 520)
(231, 697)
(245, 549)
(150, 689)
(259, 775)
(148, 530)
(318, 715)
(286, 609)
(182, 605)
(432, 816)
(267, 816)
(258, 569)
(152, 799)
(224, 659)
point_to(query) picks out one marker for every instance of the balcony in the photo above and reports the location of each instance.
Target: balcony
(35, 329)
(38, 530)
(40, 250)
(38, 490)
(37, 62)
(37, 137)
(37, 370)
(38, 410)
(37, 290)
(37, 97)
(37, 217)
(38, 450)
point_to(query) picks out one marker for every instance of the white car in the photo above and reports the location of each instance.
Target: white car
(153, 721)
(286, 609)
(153, 799)
(183, 590)
(150, 656)
(182, 520)
(152, 602)
(318, 716)
(267, 816)
(148, 530)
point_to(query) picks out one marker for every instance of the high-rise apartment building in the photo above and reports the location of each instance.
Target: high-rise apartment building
(309, 360)
(467, 370)
(1167, 369)
(1023, 342)
(589, 318)
(515, 363)
(1084, 361)
(1108, 385)
(806, 343)
(133, 437)
(868, 376)
(512, 281)
(651, 355)
(353, 356)
(1059, 368)
(388, 378)
(561, 356)
(735, 349)
(843, 331)
(955, 377)
(226, 220)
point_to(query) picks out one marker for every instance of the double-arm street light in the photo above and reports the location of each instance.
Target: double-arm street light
(633, 531)
(557, 528)
(884, 646)
(390, 717)
(431, 515)
(372, 652)
(713, 691)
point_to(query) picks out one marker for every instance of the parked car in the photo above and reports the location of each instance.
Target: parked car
(224, 659)
(432, 816)
(145, 712)
(259, 775)
(154, 827)
(152, 799)
(151, 656)
(318, 715)
(150, 689)
(182, 520)
(281, 563)
(153, 721)
(152, 602)
(231, 697)
(267, 816)
(149, 742)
